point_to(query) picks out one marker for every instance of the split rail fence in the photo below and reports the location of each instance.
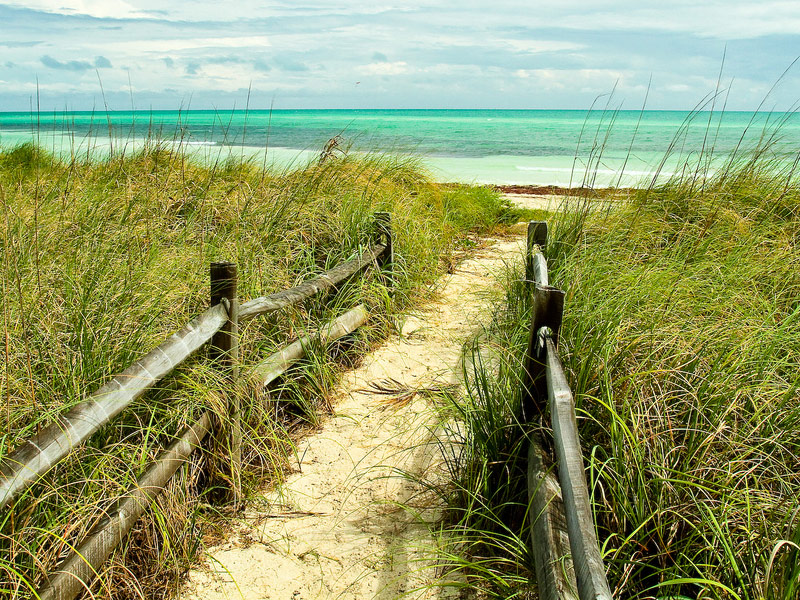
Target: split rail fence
(217, 325)
(567, 558)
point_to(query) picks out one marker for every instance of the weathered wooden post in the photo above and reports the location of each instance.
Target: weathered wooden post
(224, 350)
(548, 309)
(383, 229)
(537, 236)
(555, 571)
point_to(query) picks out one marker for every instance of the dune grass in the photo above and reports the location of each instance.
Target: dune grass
(682, 344)
(683, 341)
(102, 259)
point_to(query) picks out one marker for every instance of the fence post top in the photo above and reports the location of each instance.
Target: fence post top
(549, 289)
(537, 236)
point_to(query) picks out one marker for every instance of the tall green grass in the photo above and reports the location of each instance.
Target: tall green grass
(102, 259)
(681, 339)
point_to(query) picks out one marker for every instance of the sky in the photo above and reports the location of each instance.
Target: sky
(162, 54)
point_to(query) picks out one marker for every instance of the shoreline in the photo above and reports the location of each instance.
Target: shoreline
(553, 198)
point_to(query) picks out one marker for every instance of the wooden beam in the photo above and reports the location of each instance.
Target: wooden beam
(224, 347)
(555, 573)
(80, 567)
(547, 311)
(323, 283)
(537, 239)
(540, 275)
(25, 465)
(383, 230)
(589, 569)
(278, 363)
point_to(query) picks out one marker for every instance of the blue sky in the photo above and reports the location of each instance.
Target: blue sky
(368, 54)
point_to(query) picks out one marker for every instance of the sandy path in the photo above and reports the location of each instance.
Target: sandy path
(347, 524)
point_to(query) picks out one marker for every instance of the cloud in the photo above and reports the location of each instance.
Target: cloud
(70, 65)
(100, 62)
(261, 65)
(677, 87)
(385, 68)
(539, 46)
(435, 54)
(585, 80)
(21, 44)
(101, 9)
(722, 19)
(155, 44)
(290, 64)
(229, 59)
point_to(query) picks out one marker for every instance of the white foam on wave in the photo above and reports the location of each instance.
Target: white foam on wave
(629, 172)
(545, 169)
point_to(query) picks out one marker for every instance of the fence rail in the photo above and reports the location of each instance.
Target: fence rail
(569, 565)
(322, 283)
(24, 466)
(218, 325)
(564, 542)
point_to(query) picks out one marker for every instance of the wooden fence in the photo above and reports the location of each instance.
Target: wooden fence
(218, 325)
(564, 542)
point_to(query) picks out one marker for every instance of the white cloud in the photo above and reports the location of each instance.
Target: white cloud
(533, 54)
(178, 44)
(384, 68)
(677, 87)
(102, 9)
(587, 80)
(538, 46)
(723, 19)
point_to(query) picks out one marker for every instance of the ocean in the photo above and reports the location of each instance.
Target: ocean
(526, 147)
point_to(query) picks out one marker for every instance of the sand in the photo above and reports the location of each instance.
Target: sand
(549, 202)
(556, 202)
(354, 520)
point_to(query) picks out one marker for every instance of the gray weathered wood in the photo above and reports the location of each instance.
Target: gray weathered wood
(555, 573)
(224, 344)
(324, 282)
(540, 275)
(547, 311)
(224, 349)
(383, 226)
(589, 569)
(537, 238)
(24, 466)
(278, 363)
(77, 571)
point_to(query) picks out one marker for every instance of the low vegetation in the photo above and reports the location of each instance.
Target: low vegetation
(682, 344)
(101, 260)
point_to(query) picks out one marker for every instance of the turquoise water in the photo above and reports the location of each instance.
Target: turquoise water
(562, 147)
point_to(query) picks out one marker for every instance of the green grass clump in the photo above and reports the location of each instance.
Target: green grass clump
(102, 260)
(681, 339)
